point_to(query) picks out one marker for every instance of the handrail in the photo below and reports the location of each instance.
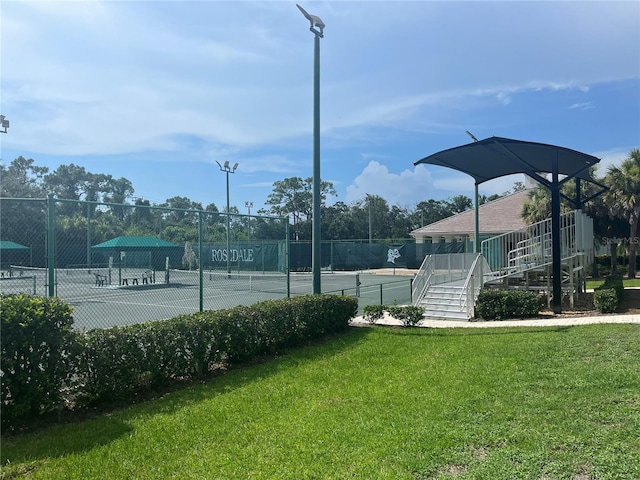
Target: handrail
(422, 279)
(468, 279)
(443, 268)
(475, 271)
(523, 249)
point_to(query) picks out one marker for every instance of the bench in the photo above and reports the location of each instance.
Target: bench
(100, 279)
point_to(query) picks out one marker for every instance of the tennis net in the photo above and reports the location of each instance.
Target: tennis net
(296, 284)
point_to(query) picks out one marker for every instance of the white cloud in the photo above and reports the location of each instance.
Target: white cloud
(131, 75)
(611, 157)
(582, 106)
(406, 188)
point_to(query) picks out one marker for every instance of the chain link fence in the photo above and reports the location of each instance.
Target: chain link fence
(118, 264)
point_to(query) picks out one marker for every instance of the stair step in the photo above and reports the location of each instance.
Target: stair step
(435, 302)
(440, 314)
(443, 307)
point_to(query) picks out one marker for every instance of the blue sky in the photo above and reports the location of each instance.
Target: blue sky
(158, 91)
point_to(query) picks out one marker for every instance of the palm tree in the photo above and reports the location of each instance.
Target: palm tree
(624, 199)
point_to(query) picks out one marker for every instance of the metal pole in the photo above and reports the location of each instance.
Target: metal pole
(88, 235)
(248, 205)
(51, 246)
(200, 258)
(370, 228)
(476, 241)
(287, 256)
(555, 237)
(316, 252)
(228, 240)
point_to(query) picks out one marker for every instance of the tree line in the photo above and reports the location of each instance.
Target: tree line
(111, 214)
(115, 211)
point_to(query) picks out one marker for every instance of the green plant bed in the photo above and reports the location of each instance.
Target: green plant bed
(399, 404)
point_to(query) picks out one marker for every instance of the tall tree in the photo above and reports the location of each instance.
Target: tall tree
(22, 179)
(430, 211)
(293, 197)
(624, 195)
(337, 222)
(23, 222)
(459, 204)
(73, 182)
(118, 191)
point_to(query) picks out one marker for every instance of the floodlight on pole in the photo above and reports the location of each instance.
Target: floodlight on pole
(4, 124)
(317, 28)
(227, 169)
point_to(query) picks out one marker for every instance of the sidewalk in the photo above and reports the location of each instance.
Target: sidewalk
(552, 321)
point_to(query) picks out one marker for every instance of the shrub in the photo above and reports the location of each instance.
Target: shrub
(409, 315)
(501, 304)
(614, 282)
(373, 313)
(606, 300)
(36, 341)
(608, 296)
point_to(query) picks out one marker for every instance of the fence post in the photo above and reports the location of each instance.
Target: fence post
(200, 259)
(287, 255)
(51, 245)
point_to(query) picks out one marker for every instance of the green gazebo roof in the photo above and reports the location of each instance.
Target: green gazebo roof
(9, 245)
(134, 242)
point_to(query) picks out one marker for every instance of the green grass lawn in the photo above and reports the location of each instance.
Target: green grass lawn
(627, 282)
(378, 403)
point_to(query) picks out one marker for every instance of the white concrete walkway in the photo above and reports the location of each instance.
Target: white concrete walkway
(552, 320)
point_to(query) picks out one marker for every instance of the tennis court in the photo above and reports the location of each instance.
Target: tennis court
(103, 297)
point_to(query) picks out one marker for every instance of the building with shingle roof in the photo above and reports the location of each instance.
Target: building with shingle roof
(499, 216)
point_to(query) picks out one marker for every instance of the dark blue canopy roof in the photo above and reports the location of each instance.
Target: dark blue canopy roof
(496, 157)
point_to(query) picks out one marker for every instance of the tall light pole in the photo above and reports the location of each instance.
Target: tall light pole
(369, 197)
(317, 28)
(248, 205)
(227, 169)
(4, 124)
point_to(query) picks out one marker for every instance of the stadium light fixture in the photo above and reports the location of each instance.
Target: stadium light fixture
(227, 169)
(317, 28)
(4, 124)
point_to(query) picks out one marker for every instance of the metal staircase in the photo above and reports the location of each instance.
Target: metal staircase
(448, 285)
(522, 259)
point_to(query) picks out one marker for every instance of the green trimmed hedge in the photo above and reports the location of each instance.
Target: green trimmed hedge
(120, 362)
(608, 296)
(35, 359)
(501, 304)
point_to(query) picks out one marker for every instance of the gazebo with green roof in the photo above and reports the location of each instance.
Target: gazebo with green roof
(145, 252)
(13, 253)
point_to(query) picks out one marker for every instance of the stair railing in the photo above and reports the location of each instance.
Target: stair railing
(422, 279)
(437, 269)
(472, 285)
(531, 246)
